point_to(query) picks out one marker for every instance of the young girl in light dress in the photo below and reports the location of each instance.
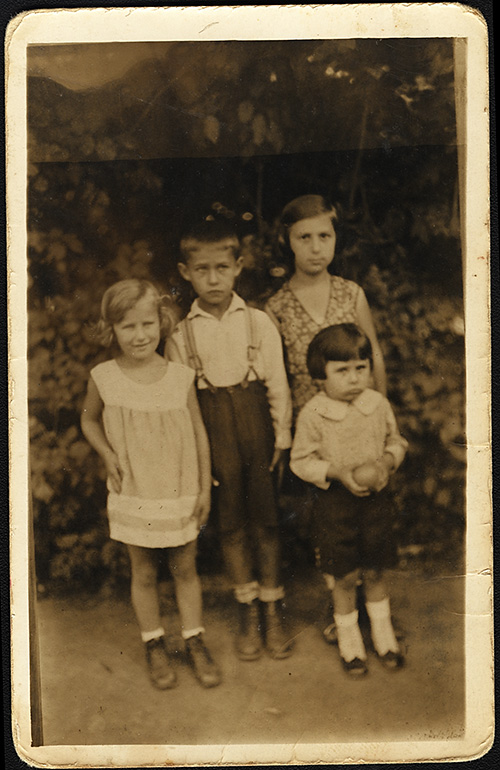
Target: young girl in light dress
(141, 415)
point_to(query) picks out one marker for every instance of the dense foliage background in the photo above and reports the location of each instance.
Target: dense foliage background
(237, 130)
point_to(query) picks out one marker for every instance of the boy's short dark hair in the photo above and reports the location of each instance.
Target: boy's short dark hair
(340, 342)
(208, 231)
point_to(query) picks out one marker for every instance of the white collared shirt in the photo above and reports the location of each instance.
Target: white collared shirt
(337, 434)
(222, 345)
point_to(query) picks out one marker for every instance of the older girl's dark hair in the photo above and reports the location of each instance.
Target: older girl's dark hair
(341, 342)
(122, 297)
(304, 207)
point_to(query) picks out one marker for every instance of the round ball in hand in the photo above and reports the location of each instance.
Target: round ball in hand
(367, 475)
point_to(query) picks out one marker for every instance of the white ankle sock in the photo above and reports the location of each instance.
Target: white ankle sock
(383, 636)
(146, 636)
(349, 636)
(245, 593)
(192, 632)
(271, 594)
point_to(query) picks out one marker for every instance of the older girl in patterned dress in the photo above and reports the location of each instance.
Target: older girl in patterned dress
(313, 299)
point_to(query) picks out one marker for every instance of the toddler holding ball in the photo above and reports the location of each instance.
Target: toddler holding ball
(347, 444)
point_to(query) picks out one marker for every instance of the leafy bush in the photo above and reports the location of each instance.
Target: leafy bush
(84, 234)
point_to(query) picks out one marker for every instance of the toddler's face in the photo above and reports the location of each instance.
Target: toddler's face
(212, 271)
(345, 380)
(138, 333)
(312, 241)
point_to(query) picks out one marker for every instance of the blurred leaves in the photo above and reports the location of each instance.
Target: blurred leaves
(243, 98)
(91, 224)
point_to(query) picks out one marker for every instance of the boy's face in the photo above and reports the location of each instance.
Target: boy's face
(345, 380)
(212, 270)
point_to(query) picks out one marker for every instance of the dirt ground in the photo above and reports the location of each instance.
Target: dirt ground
(95, 689)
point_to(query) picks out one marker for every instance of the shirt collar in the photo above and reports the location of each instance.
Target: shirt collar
(237, 303)
(366, 403)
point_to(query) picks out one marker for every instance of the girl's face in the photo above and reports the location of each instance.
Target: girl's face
(138, 333)
(312, 241)
(345, 380)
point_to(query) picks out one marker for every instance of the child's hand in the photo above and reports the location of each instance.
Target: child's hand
(345, 476)
(202, 507)
(278, 464)
(114, 471)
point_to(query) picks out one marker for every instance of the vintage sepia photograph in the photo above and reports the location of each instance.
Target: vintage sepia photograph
(248, 259)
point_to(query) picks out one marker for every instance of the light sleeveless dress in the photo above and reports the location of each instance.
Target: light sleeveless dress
(297, 329)
(149, 428)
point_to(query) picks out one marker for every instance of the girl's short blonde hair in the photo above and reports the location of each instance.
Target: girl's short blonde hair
(122, 297)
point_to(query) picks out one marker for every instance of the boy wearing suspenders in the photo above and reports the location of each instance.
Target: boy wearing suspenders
(237, 355)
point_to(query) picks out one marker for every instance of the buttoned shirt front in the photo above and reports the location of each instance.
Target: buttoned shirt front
(222, 345)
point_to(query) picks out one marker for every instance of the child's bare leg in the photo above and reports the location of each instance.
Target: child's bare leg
(144, 590)
(267, 548)
(182, 563)
(344, 593)
(379, 612)
(374, 585)
(235, 551)
(351, 647)
(145, 601)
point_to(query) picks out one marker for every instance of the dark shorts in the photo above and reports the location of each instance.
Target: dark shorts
(354, 532)
(241, 436)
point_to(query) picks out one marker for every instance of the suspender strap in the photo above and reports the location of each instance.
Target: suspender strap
(195, 360)
(192, 353)
(251, 346)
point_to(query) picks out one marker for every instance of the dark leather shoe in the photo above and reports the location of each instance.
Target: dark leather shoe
(201, 662)
(161, 673)
(278, 642)
(392, 661)
(355, 667)
(249, 640)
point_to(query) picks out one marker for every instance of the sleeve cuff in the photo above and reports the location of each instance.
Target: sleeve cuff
(283, 439)
(314, 473)
(398, 451)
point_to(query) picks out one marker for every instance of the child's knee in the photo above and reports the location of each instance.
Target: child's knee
(348, 582)
(234, 537)
(266, 535)
(372, 576)
(183, 564)
(144, 575)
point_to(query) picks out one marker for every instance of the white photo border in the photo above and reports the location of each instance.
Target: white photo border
(269, 23)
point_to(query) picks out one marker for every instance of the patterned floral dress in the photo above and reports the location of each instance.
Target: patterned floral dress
(297, 329)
